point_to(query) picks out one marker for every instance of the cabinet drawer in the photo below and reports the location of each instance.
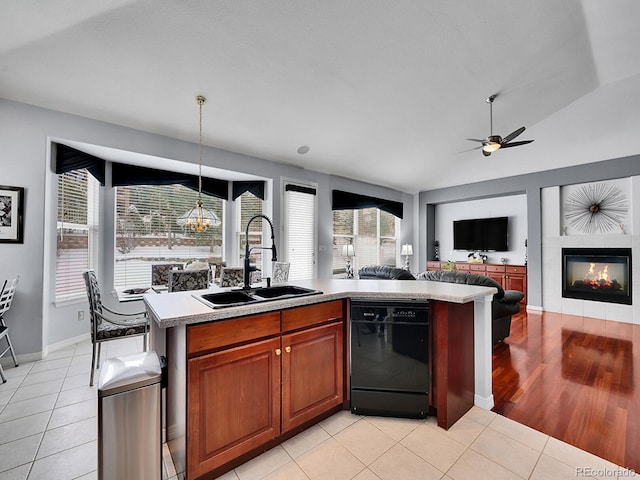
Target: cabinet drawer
(311, 315)
(433, 265)
(521, 269)
(496, 268)
(210, 336)
(479, 268)
(463, 267)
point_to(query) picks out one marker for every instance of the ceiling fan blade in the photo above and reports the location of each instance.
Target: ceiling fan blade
(485, 153)
(515, 144)
(469, 150)
(512, 135)
(475, 140)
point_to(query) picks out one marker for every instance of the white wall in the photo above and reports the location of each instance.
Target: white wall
(513, 206)
(554, 240)
(25, 135)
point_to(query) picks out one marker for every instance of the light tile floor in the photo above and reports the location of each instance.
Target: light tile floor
(48, 430)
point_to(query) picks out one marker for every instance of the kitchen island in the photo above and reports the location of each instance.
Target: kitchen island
(284, 364)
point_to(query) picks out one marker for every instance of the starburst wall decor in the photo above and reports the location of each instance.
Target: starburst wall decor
(596, 207)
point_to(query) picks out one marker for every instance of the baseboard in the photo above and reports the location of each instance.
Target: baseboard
(7, 361)
(534, 308)
(54, 347)
(486, 403)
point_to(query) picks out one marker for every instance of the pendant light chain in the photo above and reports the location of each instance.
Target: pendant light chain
(199, 218)
(200, 99)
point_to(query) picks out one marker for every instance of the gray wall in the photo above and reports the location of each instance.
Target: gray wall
(530, 185)
(25, 136)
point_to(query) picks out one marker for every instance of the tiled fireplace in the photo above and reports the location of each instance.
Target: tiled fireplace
(598, 274)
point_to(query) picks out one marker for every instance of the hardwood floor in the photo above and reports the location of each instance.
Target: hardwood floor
(574, 378)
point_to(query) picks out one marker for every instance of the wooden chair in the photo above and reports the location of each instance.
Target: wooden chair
(110, 327)
(6, 297)
(185, 280)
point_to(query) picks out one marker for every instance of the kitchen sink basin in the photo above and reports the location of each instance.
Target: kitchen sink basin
(227, 299)
(235, 298)
(283, 291)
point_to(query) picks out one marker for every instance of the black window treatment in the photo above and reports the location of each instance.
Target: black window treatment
(69, 159)
(254, 187)
(124, 174)
(299, 188)
(352, 201)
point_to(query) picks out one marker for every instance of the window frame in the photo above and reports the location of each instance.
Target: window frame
(92, 227)
(354, 237)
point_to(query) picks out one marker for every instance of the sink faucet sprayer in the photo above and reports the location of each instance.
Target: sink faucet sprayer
(247, 250)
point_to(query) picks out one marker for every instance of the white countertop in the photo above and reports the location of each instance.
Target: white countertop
(181, 308)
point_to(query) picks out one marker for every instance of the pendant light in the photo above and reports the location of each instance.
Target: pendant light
(199, 218)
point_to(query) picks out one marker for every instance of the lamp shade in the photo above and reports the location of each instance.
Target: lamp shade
(348, 251)
(199, 218)
(407, 249)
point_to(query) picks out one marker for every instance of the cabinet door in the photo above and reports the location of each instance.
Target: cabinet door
(233, 404)
(516, 279)
(517, 282)
(312, 373)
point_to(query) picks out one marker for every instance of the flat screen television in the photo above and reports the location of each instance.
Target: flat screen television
(481, 234)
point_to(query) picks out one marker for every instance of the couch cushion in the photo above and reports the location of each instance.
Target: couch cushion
(512, 296)
(385, 272)
(463, 278)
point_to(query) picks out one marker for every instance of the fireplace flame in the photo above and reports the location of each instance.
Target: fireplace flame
(600, 278)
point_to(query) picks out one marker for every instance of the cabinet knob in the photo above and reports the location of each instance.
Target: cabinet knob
(287, 349)
(278, 352)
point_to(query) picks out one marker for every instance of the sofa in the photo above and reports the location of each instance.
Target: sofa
(384, 272)
(505, 303)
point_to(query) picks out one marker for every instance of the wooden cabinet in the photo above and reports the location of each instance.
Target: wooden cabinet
(510, 277)
(245, 390)
(496, 272)
(312, 373)
(516, 279)
(233, 404)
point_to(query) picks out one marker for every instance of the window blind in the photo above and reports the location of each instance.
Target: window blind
(77, 232)
(249, 205)
(374, 234)
(147, 232)
(301, 231)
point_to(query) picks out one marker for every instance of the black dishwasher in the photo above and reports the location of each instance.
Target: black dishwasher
(390, 356)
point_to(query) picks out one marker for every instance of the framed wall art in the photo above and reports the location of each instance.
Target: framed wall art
(11, 214)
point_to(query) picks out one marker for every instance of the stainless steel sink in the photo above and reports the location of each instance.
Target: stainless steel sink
(234, 298)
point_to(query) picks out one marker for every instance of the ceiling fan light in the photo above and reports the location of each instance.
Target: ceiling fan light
(492, 143)
(491, 147)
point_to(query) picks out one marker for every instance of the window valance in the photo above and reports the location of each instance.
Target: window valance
(254, 187)
(68, 159)
(124, 174)
(352, 201)
(292, 187)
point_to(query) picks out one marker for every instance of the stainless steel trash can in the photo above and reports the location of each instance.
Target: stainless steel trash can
(129, 428)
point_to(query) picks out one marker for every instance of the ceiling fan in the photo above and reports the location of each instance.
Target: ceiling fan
(495, 142)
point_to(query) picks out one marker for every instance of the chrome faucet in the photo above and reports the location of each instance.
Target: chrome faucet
(247, 250)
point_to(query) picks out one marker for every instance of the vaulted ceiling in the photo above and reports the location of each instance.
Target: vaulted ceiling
(384, 92)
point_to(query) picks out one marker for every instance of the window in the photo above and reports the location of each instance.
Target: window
(301, 231)
(373, 232)
(248, 205)
(147, 232)
(77, 232)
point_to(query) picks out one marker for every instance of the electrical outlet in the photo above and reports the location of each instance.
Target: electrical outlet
(80, 315)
